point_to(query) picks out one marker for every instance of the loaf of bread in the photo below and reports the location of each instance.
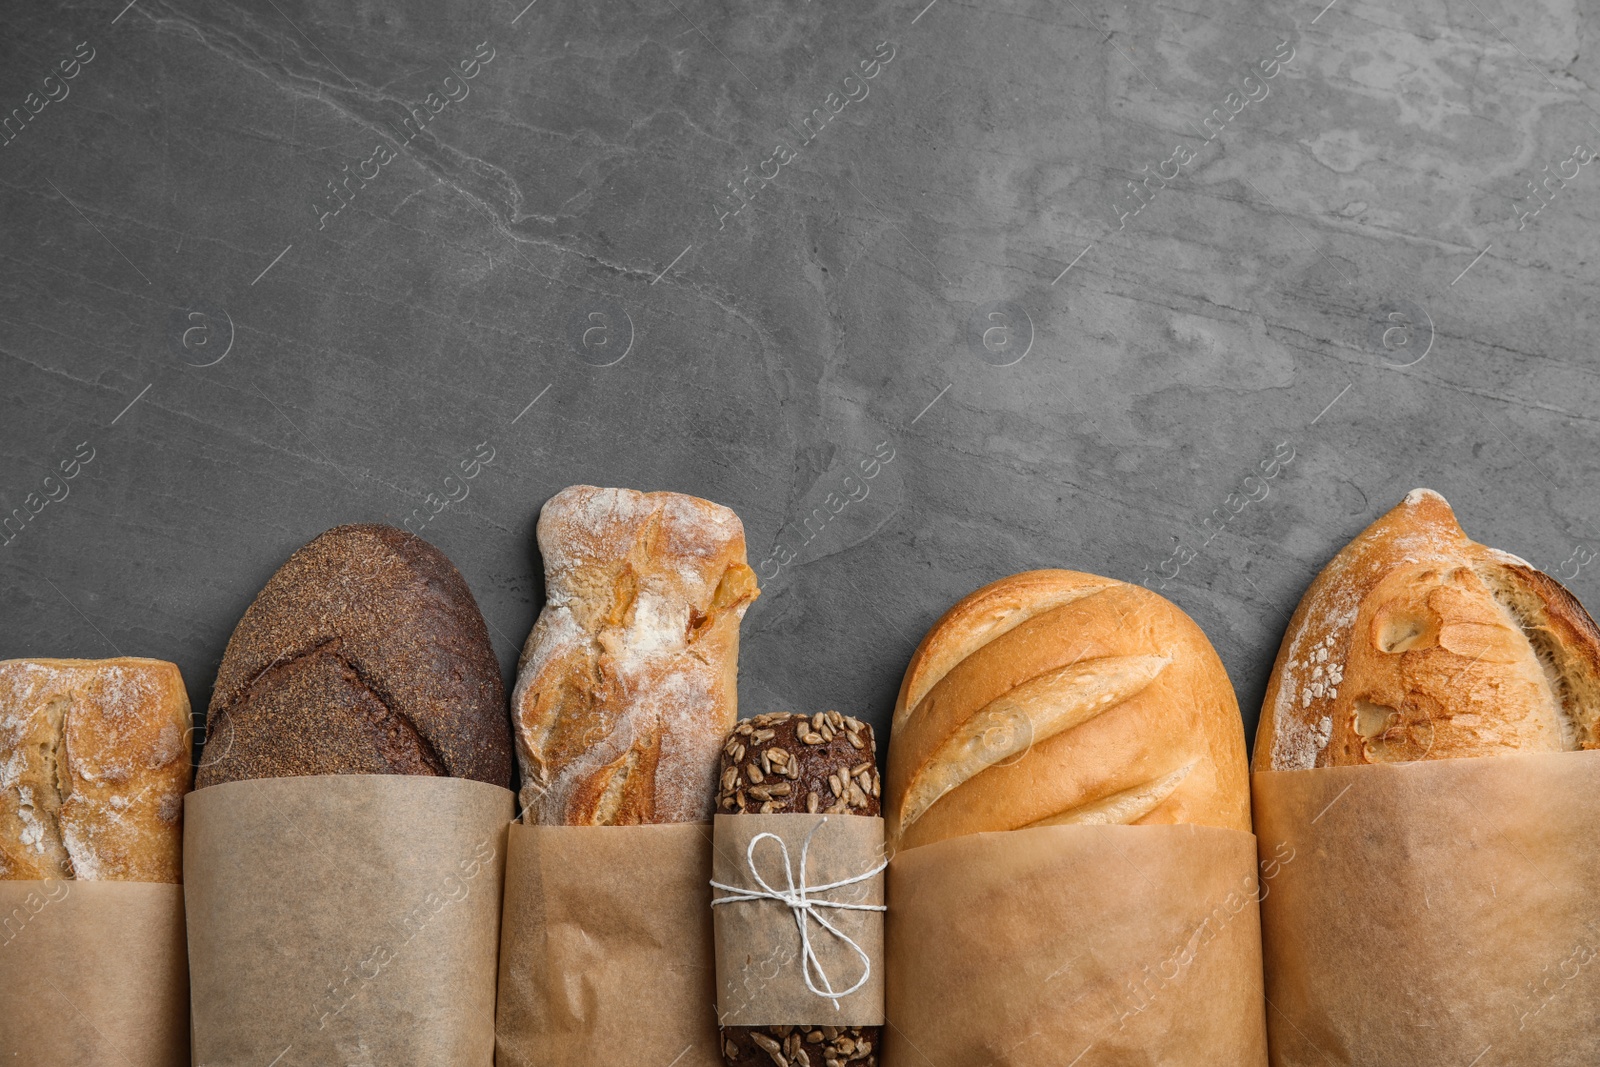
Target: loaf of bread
(1054, 697)
(94, 765)
(1416, 642)
(785, 763)
(629, 681)
(364, 654)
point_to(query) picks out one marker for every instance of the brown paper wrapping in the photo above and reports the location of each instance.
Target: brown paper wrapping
(344, 920)
(760, 976)
(1089, 946)
(1442, 912)
(93, 973)
(605, 954)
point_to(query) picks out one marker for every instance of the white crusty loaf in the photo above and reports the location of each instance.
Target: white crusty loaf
(94, 765)
(1416, 642)
(629, 681)
(1054, 697)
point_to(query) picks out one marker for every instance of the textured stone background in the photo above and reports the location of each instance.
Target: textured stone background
(1339, 272)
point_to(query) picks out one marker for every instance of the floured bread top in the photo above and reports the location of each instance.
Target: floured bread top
(94, 765)
(628, 683)
(1416, 642)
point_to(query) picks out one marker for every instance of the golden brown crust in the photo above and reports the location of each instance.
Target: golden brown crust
(979, 618)
(364, 654)
(94, 765)
(1053, 697)
(1416, 642)
(629, 681)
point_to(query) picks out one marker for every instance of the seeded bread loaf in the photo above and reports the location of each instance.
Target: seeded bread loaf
(785, 763)
(1054, 697)
(364, 654)
(629, 681)
(1416, 642)
(94, 765)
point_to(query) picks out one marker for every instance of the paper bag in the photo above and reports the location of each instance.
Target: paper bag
(344, 920)
(93, 973)
(605, 954)
(1094, 946)
(1439, 912)
(761, 965)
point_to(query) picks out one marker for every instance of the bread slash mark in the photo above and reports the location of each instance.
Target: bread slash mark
(1121, 808)
(1563, 637)
(1003, 618)
(1034, 711)
(403, 728)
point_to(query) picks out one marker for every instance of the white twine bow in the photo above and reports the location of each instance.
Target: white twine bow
(803, 905)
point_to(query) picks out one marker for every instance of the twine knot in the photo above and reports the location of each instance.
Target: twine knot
(803, 905)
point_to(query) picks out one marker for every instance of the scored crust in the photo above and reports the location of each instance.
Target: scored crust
(979, 618)
(1416, 642)
(1055, 697)
(364, 654)
(629, 680)
(94, 765)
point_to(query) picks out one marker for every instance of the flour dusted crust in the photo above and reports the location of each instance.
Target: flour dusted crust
(628, 683)
(94, 765)
(1054, 697)
(1416, 642)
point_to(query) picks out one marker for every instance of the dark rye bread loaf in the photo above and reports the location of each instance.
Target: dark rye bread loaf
(364, 654)
(778, 764)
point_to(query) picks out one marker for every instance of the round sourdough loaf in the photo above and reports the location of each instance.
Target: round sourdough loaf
(1416, 642)
(1055, 697)
(364, 654)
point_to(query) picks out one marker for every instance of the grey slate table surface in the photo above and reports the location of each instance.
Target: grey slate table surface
(756, 252)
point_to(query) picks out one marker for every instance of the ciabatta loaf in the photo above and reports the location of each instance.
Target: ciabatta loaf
(94, 765)
(629, 681)
(1055, 697)
(1416, 642)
